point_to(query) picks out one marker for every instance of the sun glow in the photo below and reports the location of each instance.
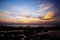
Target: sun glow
(49, 15)
(30, 20)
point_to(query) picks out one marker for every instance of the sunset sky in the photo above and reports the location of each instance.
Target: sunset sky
(29, 11)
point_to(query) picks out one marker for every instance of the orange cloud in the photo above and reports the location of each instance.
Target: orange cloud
(49, 15)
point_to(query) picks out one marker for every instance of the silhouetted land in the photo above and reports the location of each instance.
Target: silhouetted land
(29, 33)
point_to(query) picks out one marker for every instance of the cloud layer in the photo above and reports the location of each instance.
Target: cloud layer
(24, 14)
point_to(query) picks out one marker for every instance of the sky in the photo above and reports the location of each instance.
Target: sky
(29, 11)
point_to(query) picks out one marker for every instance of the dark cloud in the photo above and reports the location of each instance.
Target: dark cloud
(57, 8)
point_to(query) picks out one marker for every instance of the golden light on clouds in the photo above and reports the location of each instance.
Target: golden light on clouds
(24, 14)
(30, 20)
(49, 15)
(25, 19)
(21, 20)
